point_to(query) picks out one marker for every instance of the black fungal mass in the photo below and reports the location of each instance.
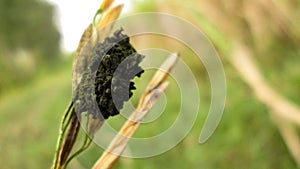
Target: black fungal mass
(106, 84)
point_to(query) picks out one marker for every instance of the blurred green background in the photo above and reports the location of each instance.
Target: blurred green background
(35, 84)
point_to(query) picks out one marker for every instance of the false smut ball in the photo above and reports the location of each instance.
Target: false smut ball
(107, 82)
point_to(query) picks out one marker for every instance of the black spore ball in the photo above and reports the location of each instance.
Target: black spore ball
(106, 84)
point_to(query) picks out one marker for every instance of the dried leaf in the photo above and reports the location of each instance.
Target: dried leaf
(94, 125)
(160, 76)
(87, 41)
(106, 4)
(108, 17)
(81, 59)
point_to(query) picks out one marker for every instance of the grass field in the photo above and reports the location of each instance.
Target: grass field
(245, 138)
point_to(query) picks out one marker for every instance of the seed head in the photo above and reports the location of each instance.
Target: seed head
(106, 84)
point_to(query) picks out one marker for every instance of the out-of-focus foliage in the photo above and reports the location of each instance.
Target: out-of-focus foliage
(29, 25)
(246, 137)
(29, 38)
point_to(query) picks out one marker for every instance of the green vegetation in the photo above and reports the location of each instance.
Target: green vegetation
(247, 137)
(30, 119)
(29, 40)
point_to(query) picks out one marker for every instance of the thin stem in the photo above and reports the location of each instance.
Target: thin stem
(98, 13)
(70, 106)
(87, 142)
(63, 127)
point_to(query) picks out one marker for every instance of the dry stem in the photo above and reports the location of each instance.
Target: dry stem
(154, 89)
